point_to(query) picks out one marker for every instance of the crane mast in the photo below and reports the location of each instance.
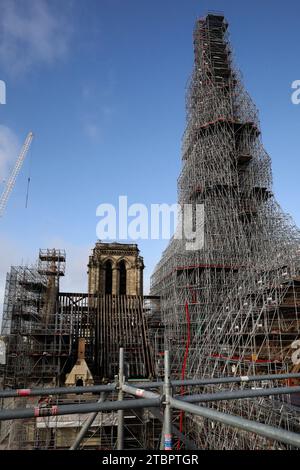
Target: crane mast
(14, 174)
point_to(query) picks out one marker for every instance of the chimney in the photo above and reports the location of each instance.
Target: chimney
(81, 348)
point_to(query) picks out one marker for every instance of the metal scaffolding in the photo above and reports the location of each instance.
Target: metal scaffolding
(37, 337)
(41, 330)
(227, 314)
(233, 306)
(55, 425)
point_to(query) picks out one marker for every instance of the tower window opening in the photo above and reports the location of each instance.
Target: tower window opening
(122, 285)
(108, 278)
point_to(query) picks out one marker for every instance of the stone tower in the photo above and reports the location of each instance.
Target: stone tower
(115, 269)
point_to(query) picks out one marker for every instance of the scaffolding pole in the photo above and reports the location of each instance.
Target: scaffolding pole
(39, 412)
(167, 431)
(86, 425)
(264, 430)
(27, 392)
(120, 437)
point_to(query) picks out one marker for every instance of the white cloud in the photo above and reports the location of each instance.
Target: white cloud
(92, 130)
(9, 149)
(31, 33)
(94, 124)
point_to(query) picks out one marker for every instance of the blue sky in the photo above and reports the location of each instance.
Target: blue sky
(101, 84)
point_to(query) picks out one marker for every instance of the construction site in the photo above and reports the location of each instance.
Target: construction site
(220, 328)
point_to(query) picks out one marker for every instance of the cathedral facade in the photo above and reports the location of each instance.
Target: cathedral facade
(115, 269)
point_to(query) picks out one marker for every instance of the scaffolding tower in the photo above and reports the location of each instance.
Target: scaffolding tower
(37, 336)
(231, 307)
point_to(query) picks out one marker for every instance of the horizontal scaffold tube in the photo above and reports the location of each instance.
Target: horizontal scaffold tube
(78, 408)
(220, 380)
(264, 430)
(27, 392)
(31, 392)
(138, 392)
(239, 394)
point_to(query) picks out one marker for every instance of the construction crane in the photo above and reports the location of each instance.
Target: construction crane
(12, 179)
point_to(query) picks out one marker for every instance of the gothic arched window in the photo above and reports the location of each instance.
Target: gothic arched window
(108, 278)
(122, 283)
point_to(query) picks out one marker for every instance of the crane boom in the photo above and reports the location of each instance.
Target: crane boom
(12, 179)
